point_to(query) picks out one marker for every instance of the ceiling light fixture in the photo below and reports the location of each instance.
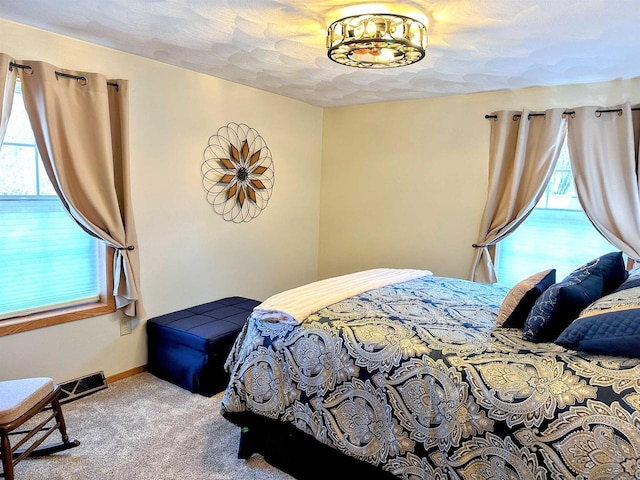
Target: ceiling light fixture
(381, 40)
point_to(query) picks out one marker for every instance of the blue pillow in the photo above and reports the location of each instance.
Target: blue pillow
(562, 302)
(613, 271)
(609, 326)
(633, 280)
(519, 301)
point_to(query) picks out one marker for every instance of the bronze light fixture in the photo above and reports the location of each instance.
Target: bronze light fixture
(381, 40)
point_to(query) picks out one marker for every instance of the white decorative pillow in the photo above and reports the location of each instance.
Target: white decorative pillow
(521, 298)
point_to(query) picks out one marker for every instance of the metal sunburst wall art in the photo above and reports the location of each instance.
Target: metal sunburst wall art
(237, 173)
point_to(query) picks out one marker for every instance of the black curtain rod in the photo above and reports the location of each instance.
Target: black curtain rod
(81, 79)
(570, 112)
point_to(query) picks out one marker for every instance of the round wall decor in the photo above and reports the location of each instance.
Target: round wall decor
(237, 172)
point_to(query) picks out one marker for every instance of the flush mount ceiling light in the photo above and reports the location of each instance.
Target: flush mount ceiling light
(381, 40)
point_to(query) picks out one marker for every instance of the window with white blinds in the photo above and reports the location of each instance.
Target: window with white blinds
(557, 234)
(46, 260)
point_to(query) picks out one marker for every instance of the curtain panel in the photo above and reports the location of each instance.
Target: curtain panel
(8, 76)
(81, 130)
(603, 146)
(524, 149)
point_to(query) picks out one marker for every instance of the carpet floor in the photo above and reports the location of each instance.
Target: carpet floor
(143, 428)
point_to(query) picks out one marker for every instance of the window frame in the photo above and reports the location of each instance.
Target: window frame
(544, 203)
(104, 305)
(55, 316)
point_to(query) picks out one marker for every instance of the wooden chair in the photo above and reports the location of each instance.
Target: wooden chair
(20, 401)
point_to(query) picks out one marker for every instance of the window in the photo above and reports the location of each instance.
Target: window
(557, 234)
(50, 266)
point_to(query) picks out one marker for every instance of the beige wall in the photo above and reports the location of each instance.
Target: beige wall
(189, 255)
(404, 183)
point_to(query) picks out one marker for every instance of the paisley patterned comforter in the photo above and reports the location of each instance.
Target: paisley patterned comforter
(416, 379)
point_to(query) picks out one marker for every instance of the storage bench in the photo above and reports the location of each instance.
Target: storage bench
(189, 347)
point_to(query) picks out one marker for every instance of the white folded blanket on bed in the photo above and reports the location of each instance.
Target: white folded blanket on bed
(295, 305)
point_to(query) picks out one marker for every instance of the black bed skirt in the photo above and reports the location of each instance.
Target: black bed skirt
(296, 453)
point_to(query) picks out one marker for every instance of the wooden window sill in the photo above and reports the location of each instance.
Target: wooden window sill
(56, 317)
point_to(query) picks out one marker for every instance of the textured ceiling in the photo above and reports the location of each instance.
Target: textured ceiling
(279, 46)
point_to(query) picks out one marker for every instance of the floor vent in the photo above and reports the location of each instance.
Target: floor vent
(81, 387)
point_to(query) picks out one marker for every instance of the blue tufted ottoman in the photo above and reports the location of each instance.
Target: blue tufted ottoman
(189, 347)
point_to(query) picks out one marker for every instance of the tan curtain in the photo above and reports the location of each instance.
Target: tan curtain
(524, 149)
(8, 76)
(81, 129)
(604, 152)
(635, 115)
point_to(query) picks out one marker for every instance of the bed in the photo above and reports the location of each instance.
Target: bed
(413, 379)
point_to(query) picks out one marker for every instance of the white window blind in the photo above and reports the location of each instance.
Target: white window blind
(557, 234)
(46, 260)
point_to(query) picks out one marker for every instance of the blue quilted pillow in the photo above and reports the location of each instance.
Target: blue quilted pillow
(609, 326)
(562, 302)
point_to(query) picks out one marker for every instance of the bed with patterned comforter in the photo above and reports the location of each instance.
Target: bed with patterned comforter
(416, 379)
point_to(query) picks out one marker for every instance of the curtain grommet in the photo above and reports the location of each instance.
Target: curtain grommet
(28, 69)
